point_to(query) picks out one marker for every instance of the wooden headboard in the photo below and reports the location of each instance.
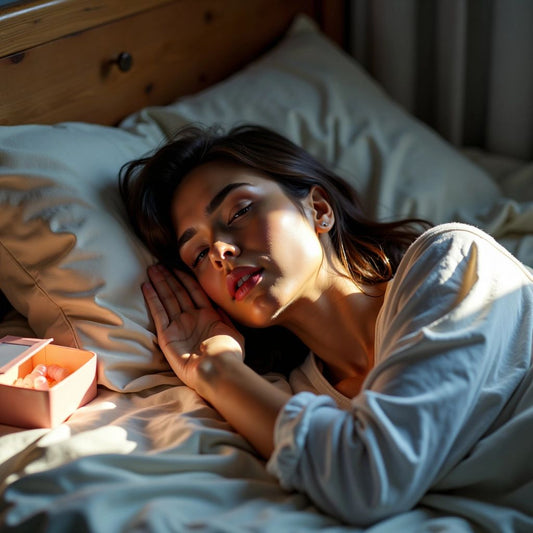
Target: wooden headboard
(99, 60)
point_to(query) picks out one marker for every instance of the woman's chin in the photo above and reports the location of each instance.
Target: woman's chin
(255, 320)
(255, 323)
(263, 311)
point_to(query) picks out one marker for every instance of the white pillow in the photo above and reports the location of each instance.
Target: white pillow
(69, 261)
(318, 96)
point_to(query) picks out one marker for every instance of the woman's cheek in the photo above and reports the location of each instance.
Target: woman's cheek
(298, 240)
(207, 282)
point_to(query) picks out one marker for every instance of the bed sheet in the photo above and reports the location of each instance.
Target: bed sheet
(163, 460)
(510, 220)
(160, 461)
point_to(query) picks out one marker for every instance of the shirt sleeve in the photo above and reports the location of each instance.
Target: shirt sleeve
(453, 341)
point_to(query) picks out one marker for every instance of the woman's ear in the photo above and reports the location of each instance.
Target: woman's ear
(323, 216)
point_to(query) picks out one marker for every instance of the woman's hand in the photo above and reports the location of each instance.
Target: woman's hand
(205, 351)
(189, 329)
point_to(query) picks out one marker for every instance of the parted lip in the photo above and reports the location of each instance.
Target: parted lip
(236, 275)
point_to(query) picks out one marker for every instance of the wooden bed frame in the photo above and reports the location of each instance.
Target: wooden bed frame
(99, 60)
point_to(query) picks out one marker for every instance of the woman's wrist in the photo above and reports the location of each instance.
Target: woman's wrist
(216, 370)
(244, 398)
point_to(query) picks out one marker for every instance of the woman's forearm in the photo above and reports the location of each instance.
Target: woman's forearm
(245, 399)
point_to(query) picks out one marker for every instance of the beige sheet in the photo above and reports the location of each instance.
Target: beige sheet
(158, 461)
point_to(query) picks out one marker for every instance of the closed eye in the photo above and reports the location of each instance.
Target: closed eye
(240, 213)
(199, 257)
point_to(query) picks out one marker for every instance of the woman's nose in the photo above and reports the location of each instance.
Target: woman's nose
(221, 252)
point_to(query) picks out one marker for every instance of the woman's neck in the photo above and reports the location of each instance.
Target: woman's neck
(339, 327)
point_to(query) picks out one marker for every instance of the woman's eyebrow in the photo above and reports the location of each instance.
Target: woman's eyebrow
(219, 196)
(189, 233)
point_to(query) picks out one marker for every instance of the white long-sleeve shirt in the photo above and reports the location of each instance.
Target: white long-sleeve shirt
(445, 418)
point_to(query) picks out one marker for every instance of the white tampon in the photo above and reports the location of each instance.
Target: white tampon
(40, 383)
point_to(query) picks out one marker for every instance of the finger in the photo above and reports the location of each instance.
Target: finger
(158, 312)
(197, 294)
(159, 280)
(180, 292)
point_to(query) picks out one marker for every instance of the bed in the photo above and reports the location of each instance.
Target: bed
(89, 85)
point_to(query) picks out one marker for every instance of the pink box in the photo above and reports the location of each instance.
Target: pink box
(32, 408)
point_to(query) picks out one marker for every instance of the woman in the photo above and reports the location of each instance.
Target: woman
(418, 343)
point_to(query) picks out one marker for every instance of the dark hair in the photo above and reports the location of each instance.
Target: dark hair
(369, 250)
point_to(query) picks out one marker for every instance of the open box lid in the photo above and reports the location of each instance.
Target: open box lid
(14, 350)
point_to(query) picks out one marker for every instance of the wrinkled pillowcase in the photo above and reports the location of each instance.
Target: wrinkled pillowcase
(69, 261)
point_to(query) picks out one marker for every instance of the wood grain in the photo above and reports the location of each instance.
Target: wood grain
(27, 24)
(178, 48)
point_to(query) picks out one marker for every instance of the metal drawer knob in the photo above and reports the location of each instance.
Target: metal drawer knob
(124, 61)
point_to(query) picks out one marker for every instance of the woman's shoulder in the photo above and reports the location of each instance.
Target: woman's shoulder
(454, 280)
(446, 245)
(439, 238)
(449, 269)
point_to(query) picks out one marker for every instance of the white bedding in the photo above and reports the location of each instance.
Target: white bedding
(148, 454)
(163, 460)
(510, 219)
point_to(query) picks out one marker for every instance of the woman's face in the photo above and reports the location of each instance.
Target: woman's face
(254, 252)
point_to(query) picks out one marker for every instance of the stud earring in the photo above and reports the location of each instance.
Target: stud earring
(324, 224)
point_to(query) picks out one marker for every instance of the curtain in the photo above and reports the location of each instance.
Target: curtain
(465, 67)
